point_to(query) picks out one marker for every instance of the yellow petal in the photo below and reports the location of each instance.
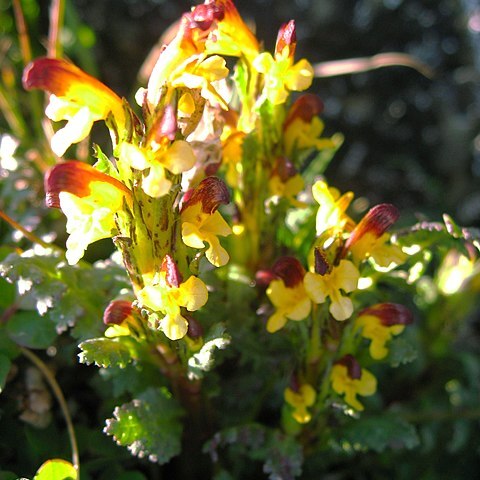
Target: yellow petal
(300, 310)
(133, 156)
(367, 385)
(263, 63)
(308, 394)
(76, 129)
(217, 225)
(346, 276)
(276, 322)
(191, 235)
(341, 307)
(179, 157)
(299, 77)
(155, 184)
(315, 287)
(151, 297)
(215, 253)
(174, 327)
(192, 294)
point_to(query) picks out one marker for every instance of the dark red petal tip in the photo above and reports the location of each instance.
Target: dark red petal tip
(354, 369)
(377, 221)
(290, 270)
(117, 311)
(172, 273)
(211, 192)
(287, 37)
(389, 314)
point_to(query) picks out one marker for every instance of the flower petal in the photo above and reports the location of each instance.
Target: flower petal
(192, 294)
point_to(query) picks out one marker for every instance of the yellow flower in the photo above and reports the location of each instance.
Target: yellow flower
(343, 277)
(300, 400)
(76, 97)
(302, 127)
(369, 238)
(285, 182)
(287, 293)
(281, 75)
(300, 135)
(177, 158)
(166, 293)
(201, 221)
(332, 207)
(121, 320)
(230, 36)
(89, 199)
(350, 380)
(379, 323)
(184, 63)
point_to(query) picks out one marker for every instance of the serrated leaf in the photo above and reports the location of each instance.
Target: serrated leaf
(378, 434)
(203, 361)
(5, 365)
(282, 454)
(31, 330)
(71, 295)
(401, 351)
(436, 234)
(149, 426)
(56, 469)
(106, 352)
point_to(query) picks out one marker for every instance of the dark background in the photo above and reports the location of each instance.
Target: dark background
(409, 140)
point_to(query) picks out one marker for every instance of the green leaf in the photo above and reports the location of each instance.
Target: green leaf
(149, 426)
(103, 164)
(131, 476)
(7, 346)
(31, 330)
(401, 351)
(71, 295)
(106, 352)
(202, 361)
(282, 454)
(7, 293)
(5, 365)
(8, 476)
(378, 434)
(56, 469)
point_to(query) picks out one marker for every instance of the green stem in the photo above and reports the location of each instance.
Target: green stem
(57, 15)
(50, 378)
(10, 111)
(23, 37)
(31, 236)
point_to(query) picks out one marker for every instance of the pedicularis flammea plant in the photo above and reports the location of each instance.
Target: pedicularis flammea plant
(248, 311)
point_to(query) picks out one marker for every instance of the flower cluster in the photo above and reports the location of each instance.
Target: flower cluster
(341, 251)
(158, 196)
